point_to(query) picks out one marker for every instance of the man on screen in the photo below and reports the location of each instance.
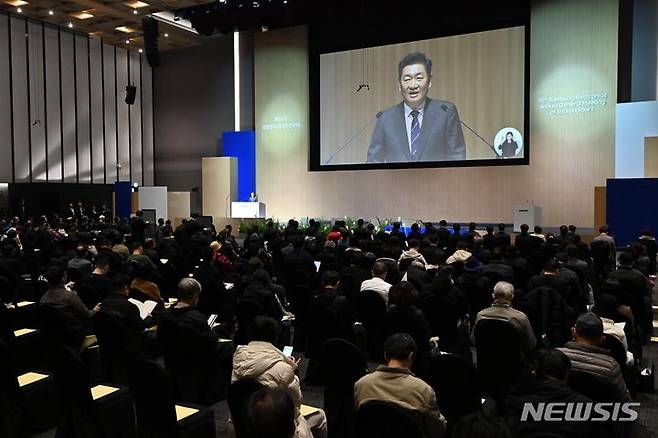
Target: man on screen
(419, 128)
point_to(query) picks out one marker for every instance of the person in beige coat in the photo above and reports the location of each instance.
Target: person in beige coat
(262, 361)
(396, 383)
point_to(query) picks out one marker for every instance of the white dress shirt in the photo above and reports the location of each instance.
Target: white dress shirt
(378, 285)
(408, 118)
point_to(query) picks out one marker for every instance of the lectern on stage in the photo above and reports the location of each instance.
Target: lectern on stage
(526, 214)
(244, 210)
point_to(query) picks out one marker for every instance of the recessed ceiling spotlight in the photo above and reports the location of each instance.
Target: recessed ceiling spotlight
(135, 11)
(51, 12)
(70, 24)
(19, 10)
(166, 35)
(140, 50)
(127, 41)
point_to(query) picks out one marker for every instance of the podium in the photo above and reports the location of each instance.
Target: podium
(526, 214)
(242, 210)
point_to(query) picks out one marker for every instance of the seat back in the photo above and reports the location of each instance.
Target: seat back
(616, 348)
(71, 376)
(380, 419)
(113, 339)
(342, 364)
(592, 386)
(456, 385)
(238, 398)
(152, 389)
(57, 327)
(498, 348)
(370, 308)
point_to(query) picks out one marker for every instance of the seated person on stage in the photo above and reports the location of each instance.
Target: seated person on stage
(378, 281)
(587, 355)
(501, 309)
(262, 361)
(395, 383)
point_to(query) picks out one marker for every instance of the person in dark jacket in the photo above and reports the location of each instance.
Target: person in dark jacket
(548, 385)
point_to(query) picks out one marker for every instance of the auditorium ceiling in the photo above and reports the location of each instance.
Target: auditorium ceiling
(117, 22)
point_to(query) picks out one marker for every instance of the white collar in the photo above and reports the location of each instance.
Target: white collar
(408, 109)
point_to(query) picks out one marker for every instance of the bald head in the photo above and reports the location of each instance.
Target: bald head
(503, 291)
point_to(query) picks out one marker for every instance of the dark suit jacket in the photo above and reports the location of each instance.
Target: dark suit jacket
(441, 136)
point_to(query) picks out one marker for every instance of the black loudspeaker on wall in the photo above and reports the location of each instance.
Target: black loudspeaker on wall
(150, 28)
(131, 91)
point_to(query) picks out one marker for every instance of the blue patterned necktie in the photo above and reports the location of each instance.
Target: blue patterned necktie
(415, 132)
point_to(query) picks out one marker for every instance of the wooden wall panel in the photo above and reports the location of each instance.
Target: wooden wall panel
(651, 157)
(6, 169)
(600, 210)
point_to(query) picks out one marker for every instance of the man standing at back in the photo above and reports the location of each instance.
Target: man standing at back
(419, 128)
(396, 383)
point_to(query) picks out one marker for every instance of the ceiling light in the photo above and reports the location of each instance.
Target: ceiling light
(135, 11)
(70, 24)
(125, 29)
(127, 41)
(19, 10)
(51, 12)
(136, 4)
(166, 35)
(15, 3)
(140, 50)
(83, 15)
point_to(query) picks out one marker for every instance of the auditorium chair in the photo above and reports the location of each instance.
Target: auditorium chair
(342, 363)
(300, 296)
(324, 324)
(113, 341)
(86, 411)
(158, 416)
(499, 357)
(456, 384)
(371, 312)
(200, 376)
(238, 398)
(28, 400)
(247, 310)
(381, 419)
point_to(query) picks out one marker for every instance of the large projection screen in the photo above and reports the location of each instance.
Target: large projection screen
(375, 114)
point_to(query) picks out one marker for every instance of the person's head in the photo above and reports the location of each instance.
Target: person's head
(443, 223)
(380, 270)
(604, 229)
(102, 265)
(215, 246)
(503, 292)
(552, 364)
(121, 284)
(509, 136)
(415, 78)
(265, 329)
(136, 248)
(462, 245)
(563, 230)
(606, 306)
(538, 229)
(404, 293)
(56, 275)
(400, 350)
(524, 228)
(472, 226)
(588, 329)
(572, 228)
(189, 290)
(480, 425)
(552, 267)
(271, 413)
(81, 250)
(396, 226)
(161, 221)
(330, 279)
(626, 259)
(490, 229)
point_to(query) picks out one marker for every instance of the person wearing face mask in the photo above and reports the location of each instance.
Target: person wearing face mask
(418, 128)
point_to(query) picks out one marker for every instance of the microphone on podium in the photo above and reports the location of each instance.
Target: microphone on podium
(351, 139)
(493, 149)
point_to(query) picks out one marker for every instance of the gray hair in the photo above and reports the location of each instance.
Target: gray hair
(188, 288)
(503, 291)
